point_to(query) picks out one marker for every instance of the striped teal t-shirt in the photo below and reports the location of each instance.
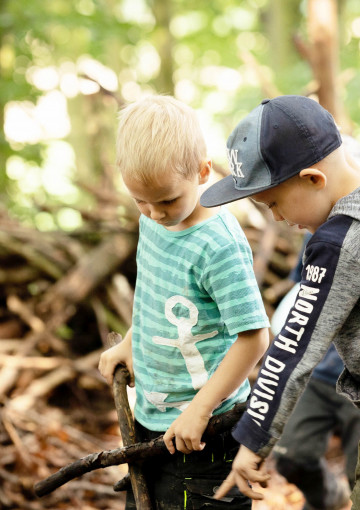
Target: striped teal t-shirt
(195, 291)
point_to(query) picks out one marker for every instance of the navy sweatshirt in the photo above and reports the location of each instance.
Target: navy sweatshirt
(326, 309)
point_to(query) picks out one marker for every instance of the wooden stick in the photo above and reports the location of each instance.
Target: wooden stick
(123, 485)
(127, 428)
(130, 454)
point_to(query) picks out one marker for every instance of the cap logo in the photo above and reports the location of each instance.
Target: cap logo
(235, 165)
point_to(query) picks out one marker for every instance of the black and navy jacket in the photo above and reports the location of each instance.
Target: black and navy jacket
(327, 309)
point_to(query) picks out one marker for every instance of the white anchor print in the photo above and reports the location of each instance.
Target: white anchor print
(186, 340)
(158, 400)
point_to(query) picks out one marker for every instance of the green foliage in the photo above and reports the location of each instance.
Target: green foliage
(198, 51)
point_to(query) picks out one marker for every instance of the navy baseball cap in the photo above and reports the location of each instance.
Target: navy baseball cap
(277, 140)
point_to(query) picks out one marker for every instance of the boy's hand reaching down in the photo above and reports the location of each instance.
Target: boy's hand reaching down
(185, 433)
(247, 468)
(189, 427)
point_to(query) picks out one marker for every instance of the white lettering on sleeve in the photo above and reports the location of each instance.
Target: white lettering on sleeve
(269, 378)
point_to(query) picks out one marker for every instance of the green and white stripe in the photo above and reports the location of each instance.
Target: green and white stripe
(195, 292)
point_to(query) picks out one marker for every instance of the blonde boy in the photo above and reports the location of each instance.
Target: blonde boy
(199, 325)
(287, 153)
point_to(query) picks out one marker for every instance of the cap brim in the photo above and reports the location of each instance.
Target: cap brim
(224, 192)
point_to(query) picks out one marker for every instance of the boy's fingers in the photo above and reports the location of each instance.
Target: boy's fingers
(224, 488)
(182, 446)
(252, 494)
(108, 378)
(168, 440)
(194, 445)
(264, 475)
(131, 382)
(202, 445)
(246, 488)
(198, 446)
(259, 477)
(243, 485)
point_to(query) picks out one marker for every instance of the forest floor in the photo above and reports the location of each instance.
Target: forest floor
(38, 441)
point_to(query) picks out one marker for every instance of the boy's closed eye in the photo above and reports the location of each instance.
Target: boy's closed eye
(168, 202)
(165, 202)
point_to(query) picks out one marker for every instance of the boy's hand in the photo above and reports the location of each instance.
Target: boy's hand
(117, 355)
(187, 430)
(247, 468)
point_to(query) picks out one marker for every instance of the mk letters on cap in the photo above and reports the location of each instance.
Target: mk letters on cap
(247, 166)
(234, 164)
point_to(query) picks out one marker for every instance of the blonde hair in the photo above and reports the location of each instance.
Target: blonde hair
(156, 135)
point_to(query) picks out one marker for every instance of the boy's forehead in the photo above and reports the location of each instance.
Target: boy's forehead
(264, 196)
(280, 192)
(157, 190)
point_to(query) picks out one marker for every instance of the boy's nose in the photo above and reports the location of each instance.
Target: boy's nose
(155, 213)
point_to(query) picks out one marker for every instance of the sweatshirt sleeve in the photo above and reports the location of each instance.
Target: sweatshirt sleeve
(312, 324)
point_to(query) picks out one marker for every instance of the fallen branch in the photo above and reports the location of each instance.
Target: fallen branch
(128, 454)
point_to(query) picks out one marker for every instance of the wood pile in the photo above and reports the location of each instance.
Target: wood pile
(61, 294)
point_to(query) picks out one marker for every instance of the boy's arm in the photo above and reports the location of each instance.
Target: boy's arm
(120, 354)
(241, 358)
(322, 307)
(312, 324)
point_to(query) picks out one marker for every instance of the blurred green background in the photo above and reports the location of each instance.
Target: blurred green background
(68, 66)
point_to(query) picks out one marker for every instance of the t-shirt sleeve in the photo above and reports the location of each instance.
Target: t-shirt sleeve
(230, 281)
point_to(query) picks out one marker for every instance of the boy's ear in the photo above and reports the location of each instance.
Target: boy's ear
(314, 176)
(205, 169)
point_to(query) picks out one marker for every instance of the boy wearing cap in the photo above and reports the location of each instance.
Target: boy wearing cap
(198, 325)
(287, 154)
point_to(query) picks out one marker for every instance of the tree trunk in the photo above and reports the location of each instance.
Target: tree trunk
(324, 56)
(282, 19)
(162, 13)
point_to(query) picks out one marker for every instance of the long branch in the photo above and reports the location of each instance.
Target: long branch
(128, 454)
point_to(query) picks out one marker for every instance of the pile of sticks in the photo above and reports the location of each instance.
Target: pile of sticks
(61, 294)
(44, 439)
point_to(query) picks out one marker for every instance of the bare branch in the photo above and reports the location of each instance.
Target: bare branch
(130, 454)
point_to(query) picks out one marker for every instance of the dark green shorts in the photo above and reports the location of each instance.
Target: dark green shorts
(188, 482)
